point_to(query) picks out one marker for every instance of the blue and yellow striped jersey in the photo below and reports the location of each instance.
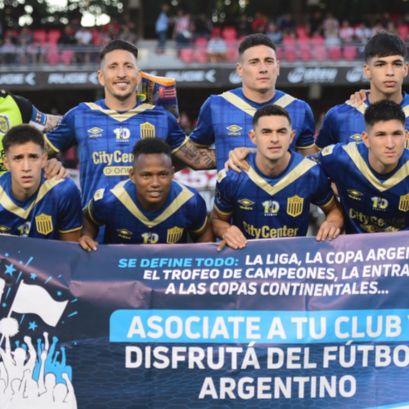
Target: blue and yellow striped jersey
(126, 221)
(226, 119)
(55, 208)
(263, 207)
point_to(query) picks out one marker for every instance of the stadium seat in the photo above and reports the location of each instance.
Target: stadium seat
(186, 55)
(334, 53)
(53, 36)
(304, 48)
(229, 33)
(40, 36)
(319, 52)
(350, 52)
(66, 57)
(200, 52)
(52, 56)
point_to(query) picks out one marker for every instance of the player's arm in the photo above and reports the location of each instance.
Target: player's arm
(305, 143)
(334, 221)
(89, 232)
(205, 235)
(195, 157)
(69, 211)
(308, 151)
(358, 97)
(70, 236)
(52, 121)
(230, 234)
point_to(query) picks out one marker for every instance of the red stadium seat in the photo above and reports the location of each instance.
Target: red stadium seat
(334, 53)
(229, 33)
(40, 36)
(66, 57)
(52, 56)
(186, 55)
(200, 52)
(350, 52)
(53, 36)
(319, 52)
(304, 47)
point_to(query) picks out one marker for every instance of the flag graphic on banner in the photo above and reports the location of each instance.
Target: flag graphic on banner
(33, 299)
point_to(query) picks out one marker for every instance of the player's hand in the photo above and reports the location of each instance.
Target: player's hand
(357, 97)
(237, 158)
(55, 169)
(234, 238)
(328, 231)
(87, 243)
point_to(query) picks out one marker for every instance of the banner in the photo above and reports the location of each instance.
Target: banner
(282, 323)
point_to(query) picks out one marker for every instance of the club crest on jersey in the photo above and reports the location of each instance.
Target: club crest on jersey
(95, 132)
(354, 194)
(122, 134)
(147, 130)
(174, 234)
(270, 207)
(245, 204)
(44, 223)
(295, 205)
(234, 130)
(404, 203)
(4, 123)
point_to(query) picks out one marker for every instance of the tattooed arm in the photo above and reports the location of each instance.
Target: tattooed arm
(195, 157)
(52, 121)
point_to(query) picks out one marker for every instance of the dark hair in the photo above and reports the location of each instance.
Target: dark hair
(270, 110)
(20, 134)
(151, 146)
(383, 111)
(253, 40)
(384, 44)
(118, 45)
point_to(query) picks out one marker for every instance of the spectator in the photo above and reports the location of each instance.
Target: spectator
(275, 35)
(259, 24)
(216, 47)
(161, 28)
(203, 26)
(346, 32)
(182, 33)
(127, 33)
(243, 26)
(8, 51)
(286, 24)
(84, 38)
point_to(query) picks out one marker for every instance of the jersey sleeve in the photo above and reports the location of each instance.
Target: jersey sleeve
(176, 136)
(63, 137)
(306, 136)
(198, 213)
(98, 209)
(70, 214)
(328, 132)
(323, 194)
(203, 134)
(224, 196)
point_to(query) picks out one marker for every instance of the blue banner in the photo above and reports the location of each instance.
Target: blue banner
(288, 323)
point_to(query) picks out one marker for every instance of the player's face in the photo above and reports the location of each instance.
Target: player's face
(119, 75)
(258, 68)
(386, 74)
(25, 163)
(386, 141)
(152, 175)
(272, 135)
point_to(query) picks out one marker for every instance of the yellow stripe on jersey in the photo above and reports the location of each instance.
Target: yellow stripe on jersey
(304, 166)
(406, 111)
(10, 206)
(120, 117)
(352, 150)
(247, 108)
(122, 195)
